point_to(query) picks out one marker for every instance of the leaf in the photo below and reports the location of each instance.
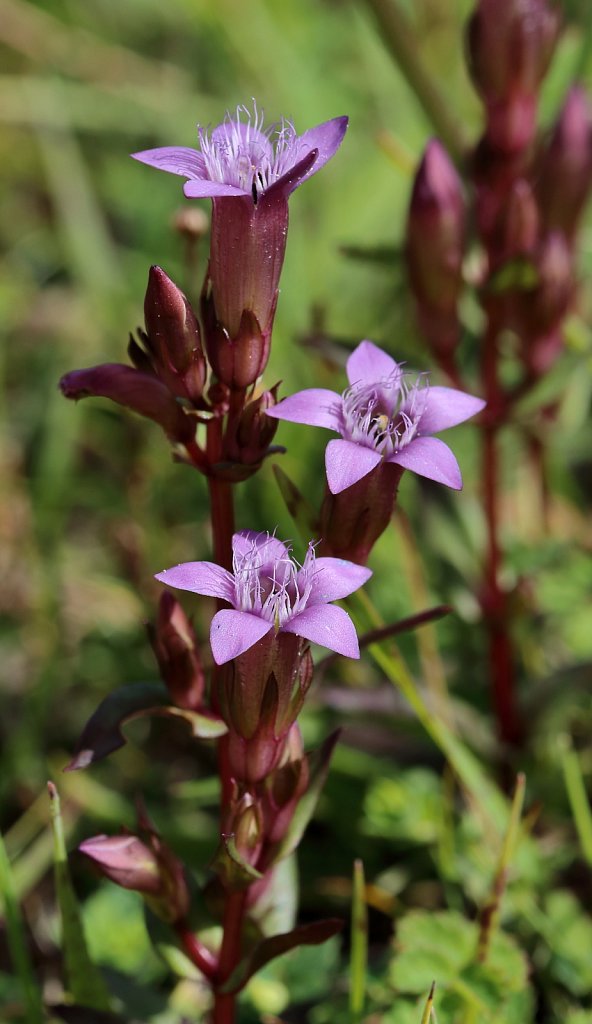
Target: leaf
(431, 946)
(517, 274)
(318, 762)
(359, 942)
(270, 948)
(304, 516)
(17, 943)
(234, 871)
(103, 734)
(275, 910)
(83, 979)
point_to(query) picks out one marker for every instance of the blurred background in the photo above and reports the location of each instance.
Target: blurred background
(91, 505)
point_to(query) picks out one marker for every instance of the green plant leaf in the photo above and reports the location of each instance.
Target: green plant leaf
(274, 946)
(83, 979)
(318, 762)
(304, 516)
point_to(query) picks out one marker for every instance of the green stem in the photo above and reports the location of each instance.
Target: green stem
(400, 38)
(17, 943)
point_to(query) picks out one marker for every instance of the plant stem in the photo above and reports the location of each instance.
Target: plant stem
(221, 500)
(229, 954)
(196, 951)
(501, 662)
(400, 38)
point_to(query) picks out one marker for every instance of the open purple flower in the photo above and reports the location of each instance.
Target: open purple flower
(249, 172)
(384, 415)
(241, 157)
(268, 590)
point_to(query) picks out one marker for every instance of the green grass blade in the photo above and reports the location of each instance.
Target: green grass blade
(83, 979)
(359, 942)
(17, 943)
(577, 796)
(429, 1014)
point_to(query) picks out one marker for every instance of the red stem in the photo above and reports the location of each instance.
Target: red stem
(221, 500)
(501, 661)
(198, 953)
(229, 954)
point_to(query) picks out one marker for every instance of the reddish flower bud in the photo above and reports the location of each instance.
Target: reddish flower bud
(141, 392)
(284, 787)
(174, 337)
(237, 361)
(175, 646)
(244, 822)
(510, 45)
(126, 860)
(565, 177)
(436, 228)
(146, 867)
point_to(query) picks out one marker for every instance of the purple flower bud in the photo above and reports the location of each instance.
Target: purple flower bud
(565, 177)
(510, 45)
(174, 336)
(138, 391)
(126, 860)
(254, 431)
(175, 646)
(238, 360)
(436, 229)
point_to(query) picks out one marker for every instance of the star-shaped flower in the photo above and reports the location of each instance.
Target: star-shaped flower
(268, 590)
(383, 415)
(241, 157)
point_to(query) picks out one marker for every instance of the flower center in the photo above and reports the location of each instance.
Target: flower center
(243, 152)
(385, 416)
(275, 590)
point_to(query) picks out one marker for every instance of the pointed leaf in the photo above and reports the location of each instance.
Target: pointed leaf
(230, 865)
(303, 514)
(103, 734)
(319, 762)
(17, 942)
(305, 935)
(83, 978)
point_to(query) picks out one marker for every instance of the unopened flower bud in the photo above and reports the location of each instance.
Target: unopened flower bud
(520, 222)
(239, 359)
(510, 45)
(565, 177)
(245, 823)
(175, 646)
(191, 222)
(436, 229)
(126, 860)
(141, 392)
(174, 336)
(254, 431)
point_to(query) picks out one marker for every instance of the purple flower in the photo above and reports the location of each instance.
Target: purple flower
(268, 590)
(249, 172)
(241, 157)
(383, 415)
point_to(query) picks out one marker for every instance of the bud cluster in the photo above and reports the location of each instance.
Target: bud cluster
(528, 199)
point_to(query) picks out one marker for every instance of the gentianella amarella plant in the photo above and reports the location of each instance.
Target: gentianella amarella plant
(198, 376)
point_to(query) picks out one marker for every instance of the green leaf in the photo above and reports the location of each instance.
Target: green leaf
(103, 734)
(304, 516)
(274, 946)
(17, 943)
(83, 979)
(431, 946)
(234, 871)
(519, 274)
(318, 762)
(359, 942)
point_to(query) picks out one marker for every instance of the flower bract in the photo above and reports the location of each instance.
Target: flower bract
(384, 414)
(268, 590)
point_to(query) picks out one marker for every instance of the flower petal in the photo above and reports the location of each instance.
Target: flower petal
(347, 462)
(326, 138)
(203, 188)
(335, 578)
(430, 457)
(200, 577)
(268, 547)
(368, 364)
(232, 633)
(328, 626)
(445, 407)
(317, 407)
(189, 163)
(289, 181)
